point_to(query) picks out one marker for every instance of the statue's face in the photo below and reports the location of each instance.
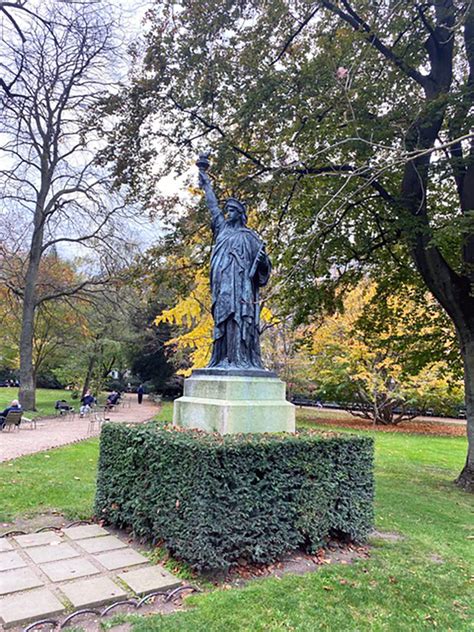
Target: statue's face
(234, 215)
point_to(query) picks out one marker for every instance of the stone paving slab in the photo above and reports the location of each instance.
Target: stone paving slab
(43, 554)
(78, 567)
(85, 531)
(36, 604)
(69, 569)
(93, 591)
(149, 579)
(5, 545)
(37, 539)
(10, 560)
(18, 579)
(100, 545)
(120, 559)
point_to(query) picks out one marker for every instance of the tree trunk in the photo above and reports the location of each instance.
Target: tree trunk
(27, 393)
(88, 377)
(466, 478)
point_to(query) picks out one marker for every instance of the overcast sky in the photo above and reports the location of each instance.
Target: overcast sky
(132, 15)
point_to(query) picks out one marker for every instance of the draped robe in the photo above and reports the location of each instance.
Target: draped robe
(236, 276)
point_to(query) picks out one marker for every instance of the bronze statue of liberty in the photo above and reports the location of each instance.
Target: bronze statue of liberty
(239, 267)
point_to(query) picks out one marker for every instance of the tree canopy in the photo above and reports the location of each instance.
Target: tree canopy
(348, 125)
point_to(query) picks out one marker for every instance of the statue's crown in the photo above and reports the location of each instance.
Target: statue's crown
(237, 203)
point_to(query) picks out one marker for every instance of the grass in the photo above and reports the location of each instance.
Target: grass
(60, 480)
(45, 400)
(419, 583)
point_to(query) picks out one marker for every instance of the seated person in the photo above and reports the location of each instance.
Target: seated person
(87, 402)
(62, 406)
(112, 400)
(14, 406)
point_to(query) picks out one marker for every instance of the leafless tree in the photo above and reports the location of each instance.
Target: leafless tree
(53, 192)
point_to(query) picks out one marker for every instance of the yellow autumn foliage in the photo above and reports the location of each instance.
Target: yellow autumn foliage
(192, 316)
(348, 363)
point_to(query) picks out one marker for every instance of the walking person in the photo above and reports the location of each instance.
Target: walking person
(140, 391)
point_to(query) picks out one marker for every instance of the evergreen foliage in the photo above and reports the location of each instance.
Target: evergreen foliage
(215, 500)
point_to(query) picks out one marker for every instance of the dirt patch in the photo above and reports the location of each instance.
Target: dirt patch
(297, 563)
(436, 559)
(409, 427)
(33, 523)
(387, 536)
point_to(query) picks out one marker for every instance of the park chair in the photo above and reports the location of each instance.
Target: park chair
(109, 407)
(96, 420)
(31, 422)
(63, 409)
(12, 420)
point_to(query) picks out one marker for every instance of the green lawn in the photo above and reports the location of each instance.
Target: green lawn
(45, 400)
(419, 583)
(58, 480)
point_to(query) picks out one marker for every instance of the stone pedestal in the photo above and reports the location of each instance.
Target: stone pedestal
(232, 401)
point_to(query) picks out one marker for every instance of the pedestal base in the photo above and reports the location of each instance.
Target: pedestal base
(234, 403)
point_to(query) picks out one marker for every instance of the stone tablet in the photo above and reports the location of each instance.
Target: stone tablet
(149, 579)
(40, 604)
(38, 539)
(98, 545)
(43, 554)
(92, 591)
(69, 569)
(10, 560)
(84, 531)
(18, 579)
(5, 545)
(121, 559)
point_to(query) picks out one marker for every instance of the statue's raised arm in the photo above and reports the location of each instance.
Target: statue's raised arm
(205, 184)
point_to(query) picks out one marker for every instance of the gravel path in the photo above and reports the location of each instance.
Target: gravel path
(52, 432)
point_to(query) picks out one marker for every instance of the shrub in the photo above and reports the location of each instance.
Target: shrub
(112, 384)
(215, 500)
(48, 380)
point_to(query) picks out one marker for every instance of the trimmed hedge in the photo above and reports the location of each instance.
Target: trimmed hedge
(216, 500)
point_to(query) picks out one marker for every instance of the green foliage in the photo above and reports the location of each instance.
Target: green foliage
(214, 500)
(344, 124)
(148, 354)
